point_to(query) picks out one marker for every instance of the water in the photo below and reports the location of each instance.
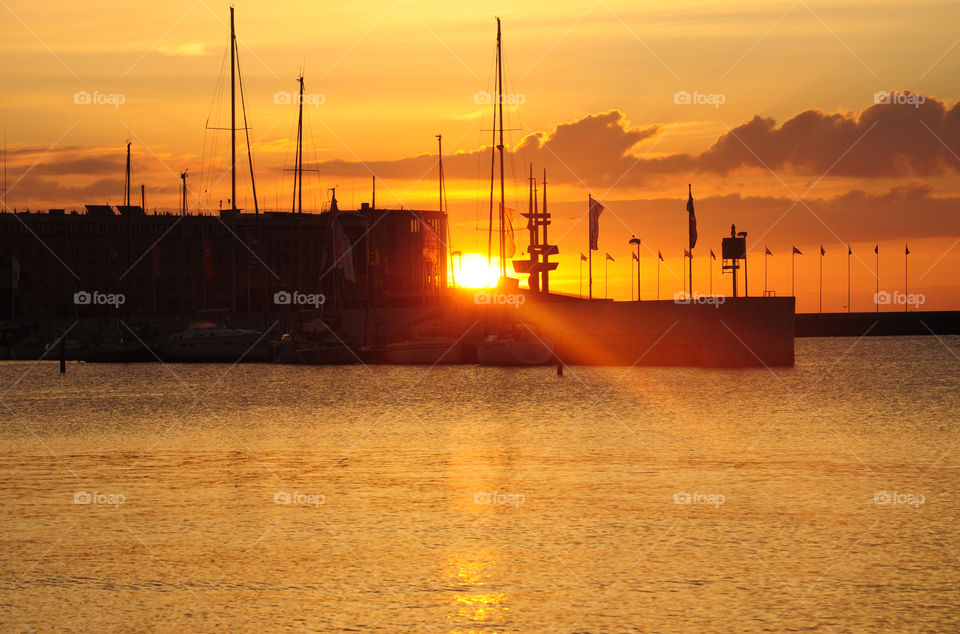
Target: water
(470, 499)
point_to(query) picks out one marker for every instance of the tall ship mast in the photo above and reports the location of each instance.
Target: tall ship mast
(498, 148)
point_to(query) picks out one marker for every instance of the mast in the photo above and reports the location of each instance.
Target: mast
(233, 116)
(499, 97)
(143, 198)
(126, 196)
(298, 165)
(493, 162)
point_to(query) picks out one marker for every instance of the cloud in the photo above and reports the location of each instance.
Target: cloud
(884, 140)
(601, 150)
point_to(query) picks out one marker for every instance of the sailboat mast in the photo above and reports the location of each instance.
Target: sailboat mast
(493, 162)
(126, 196)
(499, 96)
(298, 160)
(233, 116)
(300, 152)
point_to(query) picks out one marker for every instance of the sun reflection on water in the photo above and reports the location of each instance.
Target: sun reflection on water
(474, 601)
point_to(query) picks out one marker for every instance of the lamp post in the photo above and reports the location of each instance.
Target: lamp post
(636, 241)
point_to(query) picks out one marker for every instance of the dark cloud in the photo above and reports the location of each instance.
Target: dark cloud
(882, 141)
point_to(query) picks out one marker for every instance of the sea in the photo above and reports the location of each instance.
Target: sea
(167, 498)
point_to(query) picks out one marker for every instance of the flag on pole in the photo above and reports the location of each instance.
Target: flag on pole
(609, 257)
(583, 258)
(693, 218)
(876, 249)
(207, 257)
(686, 254)
(595, 210)
(634, 256)
(822, 252)
(767, 251)
(713, 256)
(797, 251)
(849, 250)
(659, 255)
(906, 249)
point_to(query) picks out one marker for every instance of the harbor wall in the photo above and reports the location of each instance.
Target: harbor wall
(727, 332)
(944, 322)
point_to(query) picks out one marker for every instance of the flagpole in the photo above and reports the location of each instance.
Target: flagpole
(849, 253)
(580, 293)
(690, 271)
(766, 253)
(876, 297)
(906, 279)
(605, 266)
(658, 276)
(589, 250)
(683, 274)
(821, 279)
(793, 273)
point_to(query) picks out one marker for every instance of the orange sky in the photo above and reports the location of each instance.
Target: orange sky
(596, 82)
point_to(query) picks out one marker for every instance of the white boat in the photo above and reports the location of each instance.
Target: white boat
(208, 342)
(515, 345)
(423, 351)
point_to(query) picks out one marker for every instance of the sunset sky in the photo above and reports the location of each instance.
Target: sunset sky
(788, 141)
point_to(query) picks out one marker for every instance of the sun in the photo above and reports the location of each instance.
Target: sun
(472, 271)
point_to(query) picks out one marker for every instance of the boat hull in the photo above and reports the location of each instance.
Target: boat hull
(247, 348)
(443, 352)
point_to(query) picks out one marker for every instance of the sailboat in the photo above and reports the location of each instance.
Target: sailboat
(514, 343)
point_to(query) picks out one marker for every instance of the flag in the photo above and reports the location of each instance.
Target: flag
(345, 255)
(659, 255)
(797, 251)
(713, 256)
(767, 251)
(693, 218)
(906, 249)
(876, 249)
(583, 258)
(207, 257)
(849, 250)
(610, 258)
(156, 261)
(508, 215)
(686, 254)
(14, 272)
(634, 256)
(822, 252)
(595, 210)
